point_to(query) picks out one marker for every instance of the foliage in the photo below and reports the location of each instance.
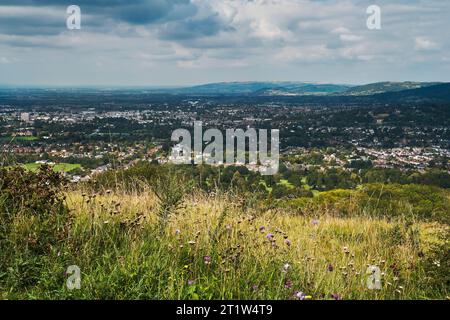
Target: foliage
(34, 224)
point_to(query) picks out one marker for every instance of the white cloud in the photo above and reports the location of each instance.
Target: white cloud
(423, 43)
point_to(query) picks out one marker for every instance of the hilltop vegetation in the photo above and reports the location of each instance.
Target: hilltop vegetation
(381, 87)
(165, 237)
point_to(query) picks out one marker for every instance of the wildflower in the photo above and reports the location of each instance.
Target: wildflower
(346, 250)
(228, 227)
(336, 296)
(255, 287)
(315, 222)
(288, 284)
(437, 263)
(330, 268)
(177, 232)
(191, 242)
(288, 242)
(262, 228)
(286, 267)
(299, 295)
(269, 236)
(191, 282)
(207, 259)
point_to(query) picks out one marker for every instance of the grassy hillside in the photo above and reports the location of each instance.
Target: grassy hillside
(166, 243)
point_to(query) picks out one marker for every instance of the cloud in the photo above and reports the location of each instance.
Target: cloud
(48, 17)
(250, 39)
(423, 43)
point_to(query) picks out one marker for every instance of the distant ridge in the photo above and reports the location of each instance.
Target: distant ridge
(292, 88)
(381, 87)
(264, 88)
(433, 93)
(299, 92)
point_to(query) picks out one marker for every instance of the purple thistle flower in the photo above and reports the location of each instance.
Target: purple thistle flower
(336, 296)
(269, 236)
(288, 284)
(262, 228)
(330, 268)
(315, 222)
(288, 242)
(255, 287)
(207, 259)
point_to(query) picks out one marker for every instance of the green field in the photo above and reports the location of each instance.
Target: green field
(60, 167)
(28, 138)
(18, 138)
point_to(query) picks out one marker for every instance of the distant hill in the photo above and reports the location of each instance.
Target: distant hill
(304, 89)
(235, 92)
(264, 88)
(287, 88)
(381, 87)
(432, 93)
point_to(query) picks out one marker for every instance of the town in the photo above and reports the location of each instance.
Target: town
(87, 139)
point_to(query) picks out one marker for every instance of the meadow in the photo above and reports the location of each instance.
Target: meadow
(59, 167)
(155, 242)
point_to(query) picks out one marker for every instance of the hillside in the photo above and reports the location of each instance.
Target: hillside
(263, 88)
(439, 93)
(155, 241)
(381, 87)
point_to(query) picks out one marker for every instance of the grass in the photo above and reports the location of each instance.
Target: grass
(18, 138)
(60, 167)
(215, 247)
(27, 138)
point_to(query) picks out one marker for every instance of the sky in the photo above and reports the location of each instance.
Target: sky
(187, 42)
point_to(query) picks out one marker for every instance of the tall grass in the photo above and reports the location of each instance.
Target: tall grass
(214, 246)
